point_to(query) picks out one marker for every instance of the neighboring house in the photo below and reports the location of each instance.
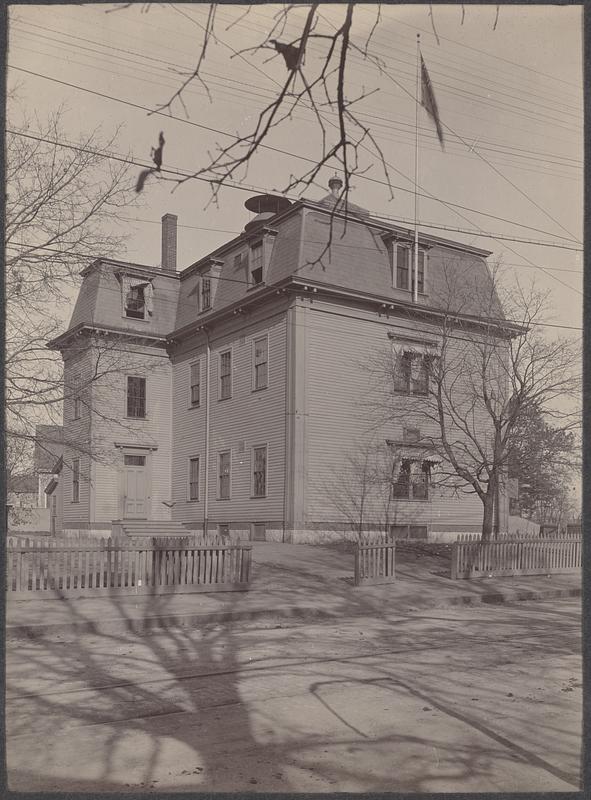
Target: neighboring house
(238, 393)
(48, 450)
(22, 491)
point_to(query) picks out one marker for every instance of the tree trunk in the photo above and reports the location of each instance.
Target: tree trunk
(488, 516)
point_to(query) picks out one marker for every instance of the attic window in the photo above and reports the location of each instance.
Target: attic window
(205, 294)
(256, 264)
(135, 303)
(137, 297)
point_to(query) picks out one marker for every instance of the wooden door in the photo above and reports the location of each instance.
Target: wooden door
(135, 487)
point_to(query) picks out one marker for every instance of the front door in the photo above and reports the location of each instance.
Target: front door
(135, 487)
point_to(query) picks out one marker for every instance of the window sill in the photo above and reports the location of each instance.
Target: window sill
(192, 500)
(256, 286)
(221, 399)
(137, 419)
(136, 319)
(222, 499)
(194, 405)
(260, 389)
(258, 496)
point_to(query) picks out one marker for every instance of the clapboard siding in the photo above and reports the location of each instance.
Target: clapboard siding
(250, 418)
(339, 422)
(111, 425)
(77, 370)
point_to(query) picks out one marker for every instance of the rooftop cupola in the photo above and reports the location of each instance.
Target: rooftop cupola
(264, 206)
(334, 200)
(335, 185)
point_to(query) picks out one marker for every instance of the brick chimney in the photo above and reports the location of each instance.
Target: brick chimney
(169, 222)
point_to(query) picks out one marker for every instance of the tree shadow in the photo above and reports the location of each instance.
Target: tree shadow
(228, 707)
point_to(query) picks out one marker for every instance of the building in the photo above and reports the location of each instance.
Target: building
(47, 453)
(233, 391)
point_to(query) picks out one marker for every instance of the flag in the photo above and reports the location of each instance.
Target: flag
(428, 101)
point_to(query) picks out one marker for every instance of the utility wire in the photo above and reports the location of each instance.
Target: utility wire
(277, 149)
(167, 66)
(245, 188)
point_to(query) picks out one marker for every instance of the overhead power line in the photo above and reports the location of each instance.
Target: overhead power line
(220, 132)
(188, 175)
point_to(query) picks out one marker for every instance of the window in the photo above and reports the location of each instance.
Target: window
(75, 480)
(134, 461)
(412, 482)
(411, 375)
(224, 476)
(420, 376)
(225, 375)
(259, 471)
(402, 373)
(256, 264)
(261, 357)
(136, 397)
(205, 294)
(193, 479)
(411, 435)
(135, 302)
(77, 405)
(405, 268)
(420, 273)
(195, 383)
(402, 261)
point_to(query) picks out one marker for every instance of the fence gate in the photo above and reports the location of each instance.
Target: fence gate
(375, 560)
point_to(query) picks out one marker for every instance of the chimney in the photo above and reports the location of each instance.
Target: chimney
(335, 185)
(169, 222)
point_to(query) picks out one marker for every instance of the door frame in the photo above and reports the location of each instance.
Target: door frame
(135, 450)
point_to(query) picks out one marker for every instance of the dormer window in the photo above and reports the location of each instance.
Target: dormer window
(404, 268)
(205, 294)
(256, 264)
(135, 303)
(137, 294)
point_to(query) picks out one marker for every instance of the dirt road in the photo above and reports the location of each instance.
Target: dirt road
(463, 699)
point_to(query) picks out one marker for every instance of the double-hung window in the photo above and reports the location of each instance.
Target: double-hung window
(77, 405)
(260, 362)
(224, 466)
(405, 268)
(135, 302)
(411, 374)
(259, 471)
(75, 480)
(194, 478)
(195, 389)
(256, 264)
(420, 376)
(225, 375)
(402, 373)
(402, 266)
(205, 294)
(412, 482)
(136, 397)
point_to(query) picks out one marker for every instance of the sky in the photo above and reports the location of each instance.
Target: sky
(510, 100)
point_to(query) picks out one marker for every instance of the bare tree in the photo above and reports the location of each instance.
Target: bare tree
(467, 392)
(62, 212)
(361, 491)
(310, 60)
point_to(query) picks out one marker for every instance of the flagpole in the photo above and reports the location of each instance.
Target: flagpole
(415, 293)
